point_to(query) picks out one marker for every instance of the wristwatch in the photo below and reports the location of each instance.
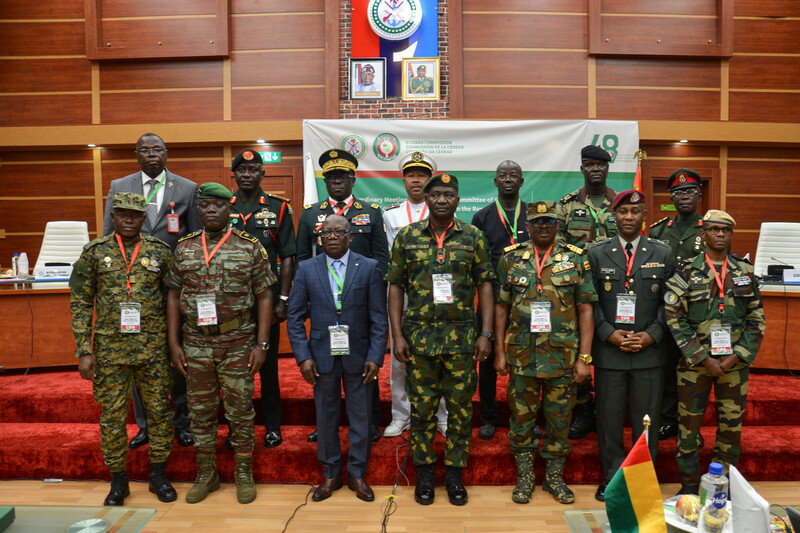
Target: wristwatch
(284, 298)
(263, 345)
(585, 357)
(488, 334)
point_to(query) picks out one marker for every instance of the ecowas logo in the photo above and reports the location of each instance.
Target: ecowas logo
(386, 146)
(354, 144)
(394, 19)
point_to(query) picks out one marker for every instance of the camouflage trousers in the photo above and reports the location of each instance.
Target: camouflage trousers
(730, 391)
(112, 388)
(428, 379)
(215, 368)
(556, 397)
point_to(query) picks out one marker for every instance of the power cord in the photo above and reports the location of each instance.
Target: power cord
(389, 506)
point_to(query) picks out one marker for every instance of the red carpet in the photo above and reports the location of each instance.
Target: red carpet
(50, 430)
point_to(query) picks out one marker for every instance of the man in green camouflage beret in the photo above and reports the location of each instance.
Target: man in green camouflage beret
(219, 273)
(119, 279)
(544, 300)
(714, 310)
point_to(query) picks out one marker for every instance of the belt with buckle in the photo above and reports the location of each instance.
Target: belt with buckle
(230, 325)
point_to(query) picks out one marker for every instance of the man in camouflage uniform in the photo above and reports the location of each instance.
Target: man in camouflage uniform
(439, 263)
(682, 234)
(120, 278)
(366, 225)
(269, 219)
(714, 310)
(545, 301)
(217, 276)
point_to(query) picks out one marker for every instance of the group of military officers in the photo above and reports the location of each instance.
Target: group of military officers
(560, 286)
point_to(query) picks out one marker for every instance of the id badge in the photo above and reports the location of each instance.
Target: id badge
(540, 317)
(626, 308)
(340, 340)
(206, 310)
(442, 288)
(173, 223)
(721, 340)
(130, 317)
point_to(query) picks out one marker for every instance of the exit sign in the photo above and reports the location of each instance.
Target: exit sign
(271, 157)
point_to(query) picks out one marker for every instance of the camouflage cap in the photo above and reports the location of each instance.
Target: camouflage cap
(541, 210)
(129, 200)
(214, 190)
(442, 180)
(719, 217)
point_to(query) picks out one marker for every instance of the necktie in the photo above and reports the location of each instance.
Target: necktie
(340, 205)
(338, 267)
(628, 249)
(152, 207)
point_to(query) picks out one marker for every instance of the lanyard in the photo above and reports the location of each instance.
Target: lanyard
(595, 215)
(125, 258)
(507, 223)
(345, 208)
(156, 189)
(421, 215)
(540, 266)
(208, 256)
(720, 279)
(339, 285)
(628, 265)
(440, 242)
(245, 218)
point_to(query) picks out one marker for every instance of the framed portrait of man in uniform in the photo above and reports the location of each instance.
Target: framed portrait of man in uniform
(368, 78)
(421, 78)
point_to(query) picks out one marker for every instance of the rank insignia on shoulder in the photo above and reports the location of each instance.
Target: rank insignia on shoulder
(671, 298)
(566, 198)
(576, 249)
(374, 206)
(246, 236)
(526, 255)
(233, 200)
(189, 236)
(323, 205)
(357, 205)
(306, 206)
(511, 248)
(393, 206)
(262, 200)
(281, 198)
(657, 222)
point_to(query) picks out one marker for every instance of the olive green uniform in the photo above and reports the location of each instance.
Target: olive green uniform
(580, 222)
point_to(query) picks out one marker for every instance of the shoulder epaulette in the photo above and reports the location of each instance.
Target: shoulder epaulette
(657, 241)
(246, 236)
(324, 205)
(154, 239)
(656, 223)
(234, 199)
(279, 197)
(375, 206)
(700, 222)
(393, 206)
(307, 206)
(357, 205)
(95, 242)
(512, 247)
(191, 235)
(566, 198)
(575, 249)
(596, 243)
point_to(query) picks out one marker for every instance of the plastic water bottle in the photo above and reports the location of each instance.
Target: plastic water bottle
(14, 265)
(713, 484)
(22, 265)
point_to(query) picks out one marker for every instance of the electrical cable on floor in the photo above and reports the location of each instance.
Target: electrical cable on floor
(30, 357)
(389, 506)
(289, 520)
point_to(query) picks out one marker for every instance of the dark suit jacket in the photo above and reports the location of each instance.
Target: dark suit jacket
(363, 309)
(176, 189)
(652, 266)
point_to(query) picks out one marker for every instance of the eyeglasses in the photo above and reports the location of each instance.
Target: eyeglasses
(327, 234)
(714, 230)
(685, 193)
(338, 177)
(157, 150)
(537, 222)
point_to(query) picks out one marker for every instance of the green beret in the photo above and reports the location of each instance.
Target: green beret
(246, 156)
(541, 210)
(214, 190)
(129, 200)
(442, 180)
(719, 217)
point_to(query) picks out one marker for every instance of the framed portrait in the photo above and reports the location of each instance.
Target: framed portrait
(421, 79)
(368, 78)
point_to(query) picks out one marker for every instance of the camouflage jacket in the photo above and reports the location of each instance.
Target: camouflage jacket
(577, 224)
(269, 219)
(98, 285)
(238, 271)
(692, 308)
(566, 283)
(432, 328)
(684, 245)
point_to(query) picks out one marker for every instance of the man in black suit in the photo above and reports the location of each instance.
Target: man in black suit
(629, 272)
(171, 214)
(346, 346)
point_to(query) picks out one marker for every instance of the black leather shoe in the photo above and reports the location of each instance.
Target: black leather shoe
(600, 495)
(184, 436)
(424, 492)
(313, 436)
(688, 489)
(584, 422)
(272, 439)
(374, 433)
(326, 488)
(667, 430)
(486, 432)
(119, 489)
(140, 439)
(159, 485)
(362, 490)
(456, 492)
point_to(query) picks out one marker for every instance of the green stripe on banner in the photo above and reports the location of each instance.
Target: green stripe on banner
(619, 507)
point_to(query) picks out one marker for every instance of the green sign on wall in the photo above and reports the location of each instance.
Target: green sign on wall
(271, 157)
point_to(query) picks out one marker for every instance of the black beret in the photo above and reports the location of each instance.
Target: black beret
(246, 156)
(594, 153)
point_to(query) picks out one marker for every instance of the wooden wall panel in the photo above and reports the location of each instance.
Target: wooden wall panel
(161, 74)
(750, 212)
(673, 7)
(764, 107)
(197, 171)
(295, 67)
(36, 9)
(764, 152)
(197, 33)
(524, 103)
(53, 155)
(523, 67)
(276, 6)
(146, 8)
(292, 30)
(745, 242)
(46, 179)
(645, 104)
(766, 36)
(761, 177)
(577, 6)
(524, 30)
(45, 110)
(773, 8)
(125, 154)
(37, 75)
(159, 107)
(270, 104)
(764, 72)
(42, 38)
(681, 151)
(661, 31)
(657, 72)
(37, 214)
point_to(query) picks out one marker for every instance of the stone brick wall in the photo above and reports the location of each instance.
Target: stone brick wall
(393, 107)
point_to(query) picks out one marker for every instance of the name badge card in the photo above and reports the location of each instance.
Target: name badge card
(206, 310)
(626, 308)
(130, 317)
(340, 340)
(721, 340)
(173, 223)
(442, 288)
(540, 317)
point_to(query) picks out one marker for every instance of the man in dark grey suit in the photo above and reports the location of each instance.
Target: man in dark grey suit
(629, 272)
(346, 345)
(171, 214)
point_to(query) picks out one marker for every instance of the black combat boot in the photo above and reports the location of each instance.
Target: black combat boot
(119, 489)
(159, 484)
(424, 493)
(456, 492)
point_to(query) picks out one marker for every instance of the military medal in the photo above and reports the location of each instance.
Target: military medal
(144, 261)
(607, 286)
